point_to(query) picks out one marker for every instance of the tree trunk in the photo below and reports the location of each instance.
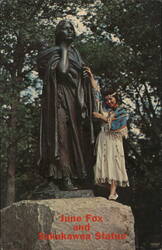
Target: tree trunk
(12, 152)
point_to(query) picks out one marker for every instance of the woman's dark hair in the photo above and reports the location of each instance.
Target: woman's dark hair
(110, 91)
(59, 27)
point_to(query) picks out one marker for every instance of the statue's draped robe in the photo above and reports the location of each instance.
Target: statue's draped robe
(66, 105)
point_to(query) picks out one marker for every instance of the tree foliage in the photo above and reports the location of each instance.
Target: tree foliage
(130, 62)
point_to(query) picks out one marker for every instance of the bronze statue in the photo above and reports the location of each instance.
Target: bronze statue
(66, 104)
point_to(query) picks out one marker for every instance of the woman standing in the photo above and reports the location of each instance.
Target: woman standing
(110, 163)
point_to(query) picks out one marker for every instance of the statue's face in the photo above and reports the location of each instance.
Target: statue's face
(66, 33)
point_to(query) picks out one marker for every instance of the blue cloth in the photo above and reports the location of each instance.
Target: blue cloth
(120, 115)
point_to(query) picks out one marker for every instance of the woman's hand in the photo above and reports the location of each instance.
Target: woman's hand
(89, 72)
(97, 115)
(100, 116)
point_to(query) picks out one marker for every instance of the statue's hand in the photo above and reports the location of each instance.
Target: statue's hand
(64, 46)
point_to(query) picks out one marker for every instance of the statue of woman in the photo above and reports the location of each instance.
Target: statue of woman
(66, 103)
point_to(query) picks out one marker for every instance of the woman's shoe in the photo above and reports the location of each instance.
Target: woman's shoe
(113, 196)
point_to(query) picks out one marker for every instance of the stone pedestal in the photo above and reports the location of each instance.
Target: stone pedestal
(68, 224)
(51, 191)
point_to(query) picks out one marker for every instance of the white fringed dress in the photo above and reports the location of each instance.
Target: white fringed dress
(110, 162)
